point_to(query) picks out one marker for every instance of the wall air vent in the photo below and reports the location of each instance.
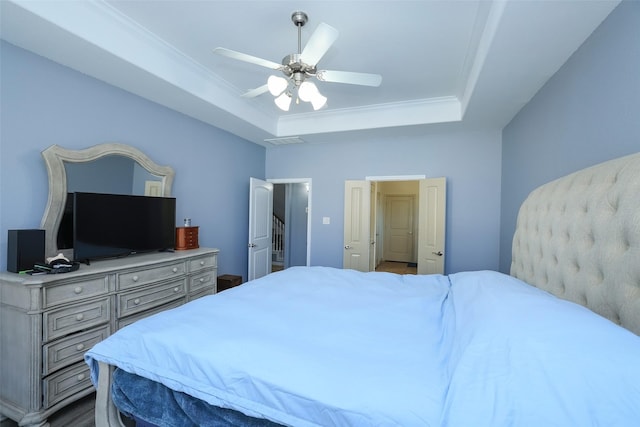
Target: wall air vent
(285, 140)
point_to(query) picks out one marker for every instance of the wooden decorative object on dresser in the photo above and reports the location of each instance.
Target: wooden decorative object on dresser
(186, 238)
(48, 322)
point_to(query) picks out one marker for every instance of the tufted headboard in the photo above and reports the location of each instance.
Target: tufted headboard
(578, 237)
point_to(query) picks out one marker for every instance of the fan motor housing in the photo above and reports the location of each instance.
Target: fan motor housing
(292, 64)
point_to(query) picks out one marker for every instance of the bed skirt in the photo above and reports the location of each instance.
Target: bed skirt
(165, 407)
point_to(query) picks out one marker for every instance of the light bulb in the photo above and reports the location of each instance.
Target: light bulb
(318, 101)
(277, 85)
(307, 91)
(283, 101)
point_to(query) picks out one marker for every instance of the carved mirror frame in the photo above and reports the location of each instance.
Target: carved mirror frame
(55, 158)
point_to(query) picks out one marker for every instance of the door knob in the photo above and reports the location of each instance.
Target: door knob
(347, 247)
(252, 245)
(439, 253)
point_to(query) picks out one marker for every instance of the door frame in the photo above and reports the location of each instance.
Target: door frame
(309, 210)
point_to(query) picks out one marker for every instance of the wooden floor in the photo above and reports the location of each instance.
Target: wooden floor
(396, 267)
(78, 414)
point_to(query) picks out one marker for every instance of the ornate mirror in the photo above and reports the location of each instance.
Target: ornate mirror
(105, 168)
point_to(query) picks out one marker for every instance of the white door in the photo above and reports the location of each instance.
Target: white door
(260, 224)
(357, 213)
(431, 227)
(398, 228)
(373, 200)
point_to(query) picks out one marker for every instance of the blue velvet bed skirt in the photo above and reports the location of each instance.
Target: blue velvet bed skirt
(152, 404)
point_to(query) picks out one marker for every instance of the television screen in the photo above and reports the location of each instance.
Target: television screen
(113, 225)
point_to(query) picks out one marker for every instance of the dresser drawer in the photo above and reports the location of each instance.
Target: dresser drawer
(66, 383)
(201, 281)
(140, 277)
(75, 291)
(202, 263)
(153, 296)
(58, 323)
(69, 350)
(121, 323)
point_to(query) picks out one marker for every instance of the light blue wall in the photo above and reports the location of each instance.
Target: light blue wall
(298, 217)
(469, 160)
(588, 112)
(43, 103)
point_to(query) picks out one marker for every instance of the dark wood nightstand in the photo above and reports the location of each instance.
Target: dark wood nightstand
(227, 281)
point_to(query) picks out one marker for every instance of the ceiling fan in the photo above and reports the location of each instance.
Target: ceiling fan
(298, 67)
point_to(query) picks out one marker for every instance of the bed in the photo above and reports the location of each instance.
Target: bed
(554, 343)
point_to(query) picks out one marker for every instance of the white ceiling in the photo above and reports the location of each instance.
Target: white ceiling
(470, 64)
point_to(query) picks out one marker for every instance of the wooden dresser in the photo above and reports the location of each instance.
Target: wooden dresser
(48, 322)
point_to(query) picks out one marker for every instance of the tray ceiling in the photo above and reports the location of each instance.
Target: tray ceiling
(460, 64)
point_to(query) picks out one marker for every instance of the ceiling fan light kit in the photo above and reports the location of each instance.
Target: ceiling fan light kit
(277, 85)
(308, 92)
(283, 101)
(297, 67)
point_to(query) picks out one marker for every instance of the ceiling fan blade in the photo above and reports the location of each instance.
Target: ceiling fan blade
(256, 92)
(247, 58)
(348, 77)
(318, 44)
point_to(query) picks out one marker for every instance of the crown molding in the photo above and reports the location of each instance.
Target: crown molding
(415, 112)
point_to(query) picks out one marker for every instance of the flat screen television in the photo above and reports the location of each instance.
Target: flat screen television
(115, 225)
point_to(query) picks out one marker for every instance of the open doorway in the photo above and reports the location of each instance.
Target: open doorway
(396, 228)
(291, 227)
(413, 235)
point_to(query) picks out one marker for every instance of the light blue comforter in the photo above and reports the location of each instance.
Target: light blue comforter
(321, 346)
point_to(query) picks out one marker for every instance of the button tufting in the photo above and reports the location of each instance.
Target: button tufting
(562, 287)
(589, 251)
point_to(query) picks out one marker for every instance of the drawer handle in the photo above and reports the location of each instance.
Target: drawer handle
(175, 269)
(201, 262)
(176, 289)
(79, 317)
(78, 290)
(134, 278)
(80, 347)
(80, 377)
(136, 301)
(202, 280)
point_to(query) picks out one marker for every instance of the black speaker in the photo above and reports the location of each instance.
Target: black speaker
(24, 248)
